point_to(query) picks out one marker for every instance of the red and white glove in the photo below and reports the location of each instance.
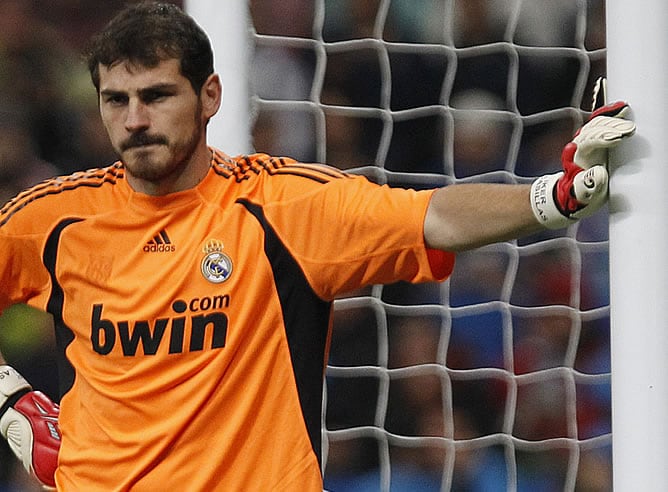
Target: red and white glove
(29, 422)
(558, 200)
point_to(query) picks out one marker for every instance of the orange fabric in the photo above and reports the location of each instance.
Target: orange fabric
(179, 365)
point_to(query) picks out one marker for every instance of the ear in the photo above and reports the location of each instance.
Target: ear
(211, 96)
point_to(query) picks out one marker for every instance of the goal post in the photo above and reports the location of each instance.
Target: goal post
(638, 73)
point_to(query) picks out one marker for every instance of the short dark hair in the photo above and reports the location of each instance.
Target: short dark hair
(148, 33)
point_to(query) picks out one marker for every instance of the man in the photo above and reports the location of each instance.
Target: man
(191, 291)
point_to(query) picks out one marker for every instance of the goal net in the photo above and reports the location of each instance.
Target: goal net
(499, 378)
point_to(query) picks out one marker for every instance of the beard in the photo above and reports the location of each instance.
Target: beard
(154, 157)
(154, 164)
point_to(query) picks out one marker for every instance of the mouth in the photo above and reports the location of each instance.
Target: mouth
(142, 146)
(139, 151)
(141, 142)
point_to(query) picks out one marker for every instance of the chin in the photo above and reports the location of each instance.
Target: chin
(145, 166)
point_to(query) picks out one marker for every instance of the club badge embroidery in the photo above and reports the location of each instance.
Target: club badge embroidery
(216, 265)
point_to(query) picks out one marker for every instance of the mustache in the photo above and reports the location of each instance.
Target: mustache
(140, 139)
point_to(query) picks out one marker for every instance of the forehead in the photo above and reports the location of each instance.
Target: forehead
(128, 76)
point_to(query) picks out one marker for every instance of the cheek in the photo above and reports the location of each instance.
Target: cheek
(184, 125)
(110, 132)
(107, 120)
(114, 134)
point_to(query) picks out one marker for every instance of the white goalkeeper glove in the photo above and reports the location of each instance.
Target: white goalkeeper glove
(558, 200)
(29, 422)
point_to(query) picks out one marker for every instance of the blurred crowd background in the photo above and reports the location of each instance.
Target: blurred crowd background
(499, 116)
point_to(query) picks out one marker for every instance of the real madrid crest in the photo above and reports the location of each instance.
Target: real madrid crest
(216, 265)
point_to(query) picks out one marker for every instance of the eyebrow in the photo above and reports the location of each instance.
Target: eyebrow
(152, 88)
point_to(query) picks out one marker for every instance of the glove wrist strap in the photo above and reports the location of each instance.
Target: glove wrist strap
(12, 387)
(12, 399)
(543, 204)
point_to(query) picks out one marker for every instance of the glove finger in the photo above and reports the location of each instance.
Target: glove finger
(610, 128)
(590, 184)
(597, 136)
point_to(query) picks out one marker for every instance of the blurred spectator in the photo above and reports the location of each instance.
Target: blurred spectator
(285, 18)
(20, 166)
(38, 70)
(43, 77)
(482, 133)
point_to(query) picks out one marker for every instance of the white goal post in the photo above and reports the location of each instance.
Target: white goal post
(638, 73)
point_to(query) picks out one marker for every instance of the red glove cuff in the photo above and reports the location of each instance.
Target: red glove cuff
(564, 198)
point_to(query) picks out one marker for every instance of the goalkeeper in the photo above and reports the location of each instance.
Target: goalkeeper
(191, 291)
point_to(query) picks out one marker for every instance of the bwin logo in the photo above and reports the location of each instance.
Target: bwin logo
(151, 335)
(160, 244)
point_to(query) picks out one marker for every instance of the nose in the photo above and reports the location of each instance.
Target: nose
(137, 116)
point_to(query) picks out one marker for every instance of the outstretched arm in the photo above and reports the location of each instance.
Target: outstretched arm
(466, 216)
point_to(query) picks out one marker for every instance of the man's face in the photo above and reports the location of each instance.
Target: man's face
(154, 120)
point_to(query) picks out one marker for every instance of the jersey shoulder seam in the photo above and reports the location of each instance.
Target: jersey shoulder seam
(247, 166)
(92, 178)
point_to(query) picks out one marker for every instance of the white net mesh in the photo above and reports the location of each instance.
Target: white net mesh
(499, 378)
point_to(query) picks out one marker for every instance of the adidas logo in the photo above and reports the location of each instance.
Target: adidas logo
(160, 244)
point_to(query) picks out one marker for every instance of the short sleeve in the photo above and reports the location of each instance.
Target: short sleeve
(22, 274)
(349, 233)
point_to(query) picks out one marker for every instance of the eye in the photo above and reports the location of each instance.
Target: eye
(154, 96)
(115, 99)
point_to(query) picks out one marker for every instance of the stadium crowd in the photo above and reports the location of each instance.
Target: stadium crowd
(49, 125)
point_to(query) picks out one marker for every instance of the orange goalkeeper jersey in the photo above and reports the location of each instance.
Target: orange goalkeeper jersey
(193, 328)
